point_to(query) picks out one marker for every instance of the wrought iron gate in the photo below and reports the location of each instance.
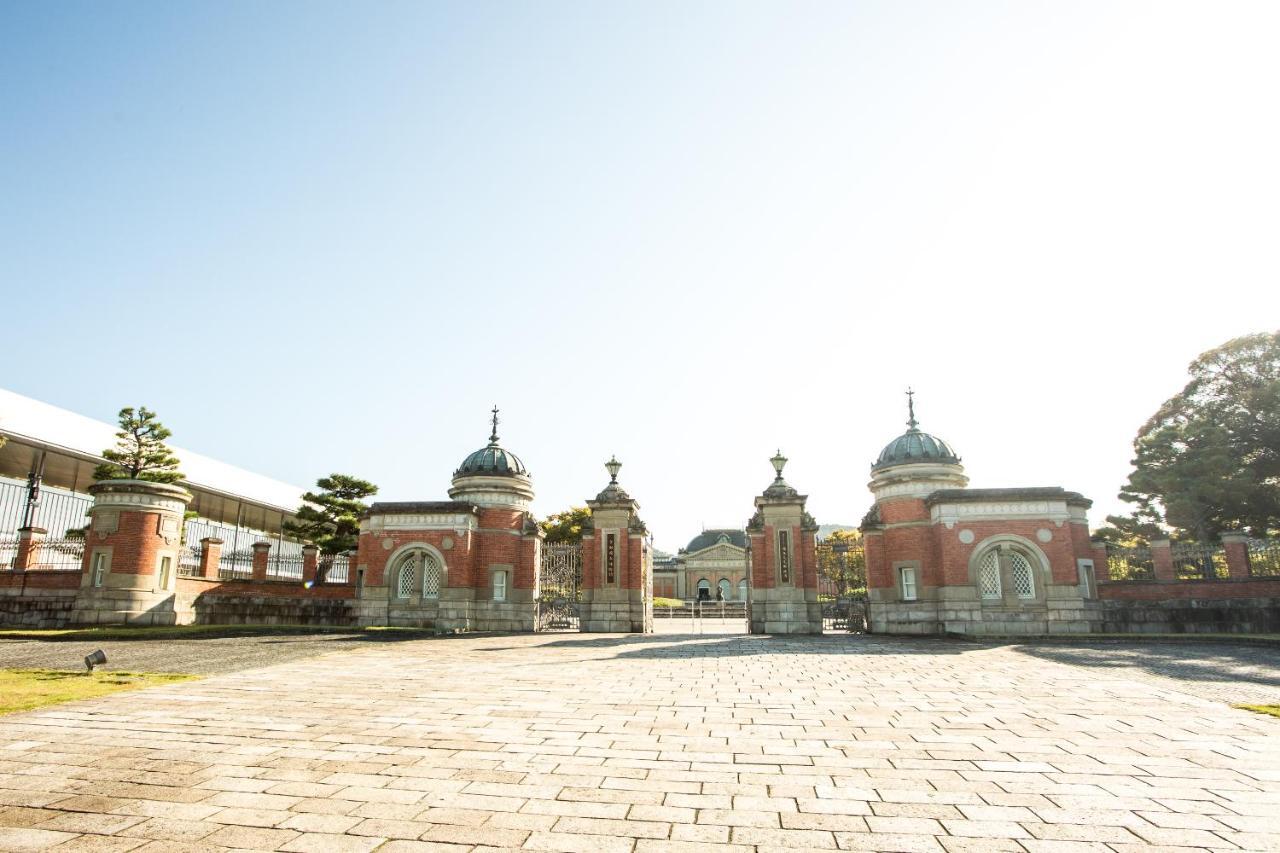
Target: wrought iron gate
(842, 584)
(559, 585)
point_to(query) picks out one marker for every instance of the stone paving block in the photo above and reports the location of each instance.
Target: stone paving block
(498, 742)
(20, 839)
(250, 837)
(318, 842)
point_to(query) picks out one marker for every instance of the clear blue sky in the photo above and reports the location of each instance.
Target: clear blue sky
(320, 236)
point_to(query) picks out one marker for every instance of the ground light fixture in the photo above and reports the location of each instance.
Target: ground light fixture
(97, 658)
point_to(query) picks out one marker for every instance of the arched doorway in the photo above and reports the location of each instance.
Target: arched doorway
(726, 589)
(704, 590)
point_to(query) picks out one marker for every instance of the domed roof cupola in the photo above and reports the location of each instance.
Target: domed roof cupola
(493, 476)
(492, 459)
(914, 445)
(915, 464)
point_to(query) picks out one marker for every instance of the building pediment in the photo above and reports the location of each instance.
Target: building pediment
(720, 553)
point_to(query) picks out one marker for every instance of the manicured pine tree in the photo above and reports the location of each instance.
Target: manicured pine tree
(140, 453)
(330, 518)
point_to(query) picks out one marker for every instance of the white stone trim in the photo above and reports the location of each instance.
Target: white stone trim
(459, 522)
(951, 514)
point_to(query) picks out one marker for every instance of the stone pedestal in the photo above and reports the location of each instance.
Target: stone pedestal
(617, 572)
(784, 565)
(131, 555)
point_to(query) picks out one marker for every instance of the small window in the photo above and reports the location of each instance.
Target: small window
(499, 586)
(99, 568)
(908, 584)
(166, 565)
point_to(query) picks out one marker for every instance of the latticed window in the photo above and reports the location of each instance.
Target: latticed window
(989, 575)
(430, 576)
(1020, 570)
(405, 581)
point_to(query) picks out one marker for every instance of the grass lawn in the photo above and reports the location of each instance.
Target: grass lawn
(1273, 710)
(667, 602)
(24, 689)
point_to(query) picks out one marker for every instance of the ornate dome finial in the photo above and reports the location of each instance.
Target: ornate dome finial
(912, 423)
(493, 436)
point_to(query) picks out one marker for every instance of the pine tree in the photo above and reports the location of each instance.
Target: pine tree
(141, 453)
(330, 518)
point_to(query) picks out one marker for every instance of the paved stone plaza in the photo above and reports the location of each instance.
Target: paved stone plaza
(730, 743)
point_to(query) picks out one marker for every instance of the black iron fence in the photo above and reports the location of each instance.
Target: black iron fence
(1193, 561)
(1264, 558)
(1130, 563)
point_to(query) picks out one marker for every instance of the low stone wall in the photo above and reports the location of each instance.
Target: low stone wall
(35, 607)
(219, 608)
(37, 599)
(1190, 616)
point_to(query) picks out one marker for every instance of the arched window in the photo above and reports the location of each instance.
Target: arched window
(726, 589)
(1021, 575)
(415, 564)
(704, 590)
(742, 590)
(407, 574)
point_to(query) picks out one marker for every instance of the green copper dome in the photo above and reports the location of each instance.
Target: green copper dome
(491, 460)
(915, 446)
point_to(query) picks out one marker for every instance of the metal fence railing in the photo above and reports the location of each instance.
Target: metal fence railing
(284, 568)
(8, 553)
(1193, 562)
(1264, 558)
(56, 510)
(189, 560)
(64, 554)
(334, 569)
(235, 565)
(1130, 564)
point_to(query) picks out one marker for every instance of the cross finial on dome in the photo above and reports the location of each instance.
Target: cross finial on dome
(911, 409)
(493, 436)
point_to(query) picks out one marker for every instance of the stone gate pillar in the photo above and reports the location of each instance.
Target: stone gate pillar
(784, 564)
(617, 581)
(131, 552)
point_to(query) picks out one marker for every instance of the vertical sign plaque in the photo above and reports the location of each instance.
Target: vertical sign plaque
(611, 558)
(784, 557)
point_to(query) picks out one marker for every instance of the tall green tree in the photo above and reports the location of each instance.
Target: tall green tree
(140, 453)
(330, 518)
(566, 526)
(1208, 460)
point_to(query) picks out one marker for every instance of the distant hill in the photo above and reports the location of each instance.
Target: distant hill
(825, 530)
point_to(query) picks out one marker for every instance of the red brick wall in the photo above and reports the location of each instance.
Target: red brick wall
(591, 561)
(1171, 590)
(40, 580)
(135, 545)
(878, 574)
(269, 589)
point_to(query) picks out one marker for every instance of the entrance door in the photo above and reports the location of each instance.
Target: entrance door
(559, 587)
